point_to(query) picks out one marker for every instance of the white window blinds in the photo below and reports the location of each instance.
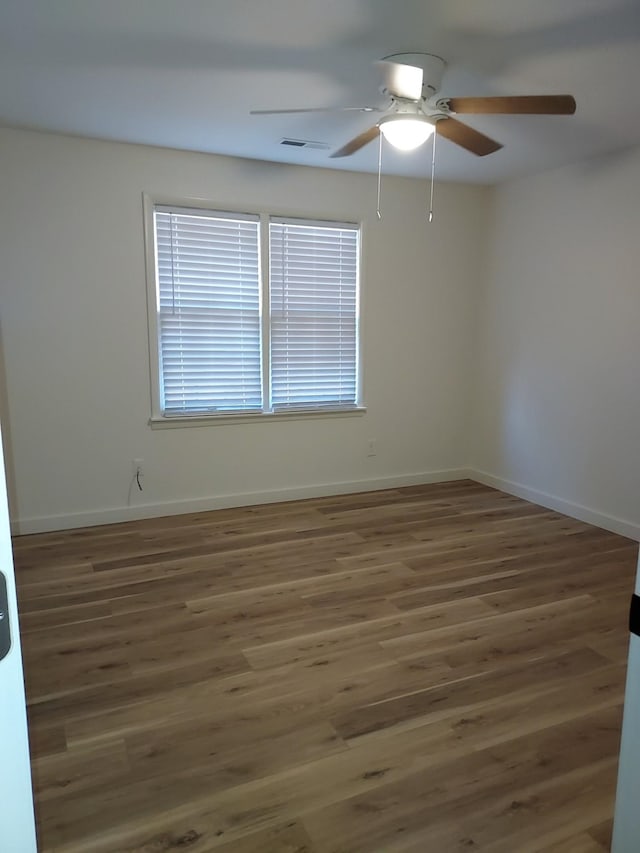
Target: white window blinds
(314, 314)
(208, 295)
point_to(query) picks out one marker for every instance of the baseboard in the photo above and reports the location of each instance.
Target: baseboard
(582, 513)
(44, 524)
(92, 518)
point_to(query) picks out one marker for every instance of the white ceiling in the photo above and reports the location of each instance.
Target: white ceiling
(185, 73)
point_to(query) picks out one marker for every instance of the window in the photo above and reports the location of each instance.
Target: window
(208, 312)
(313, 299)
(237, 330)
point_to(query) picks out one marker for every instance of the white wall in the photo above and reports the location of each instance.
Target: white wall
(75, 350)
(522, 367)
(557, 404)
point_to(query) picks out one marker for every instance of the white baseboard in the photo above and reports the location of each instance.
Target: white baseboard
(91, 518)
(44, 524)
(582, 513)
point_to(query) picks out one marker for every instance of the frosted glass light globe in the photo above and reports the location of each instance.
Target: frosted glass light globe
(406, 132)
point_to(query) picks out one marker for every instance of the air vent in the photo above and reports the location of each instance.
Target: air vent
(305, 143)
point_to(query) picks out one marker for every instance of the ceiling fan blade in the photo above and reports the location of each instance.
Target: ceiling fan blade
(516, 105)
(316, 110)
(467, 137)
(402, 81)
(358, 142)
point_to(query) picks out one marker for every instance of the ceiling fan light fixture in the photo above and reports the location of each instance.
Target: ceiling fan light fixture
(406, 132)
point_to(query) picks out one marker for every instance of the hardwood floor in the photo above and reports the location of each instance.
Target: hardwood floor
(430, 669)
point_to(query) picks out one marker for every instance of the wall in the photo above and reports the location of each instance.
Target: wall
(75, 348)
(557, 403)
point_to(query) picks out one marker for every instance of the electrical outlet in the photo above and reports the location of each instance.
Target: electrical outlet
(371, 447)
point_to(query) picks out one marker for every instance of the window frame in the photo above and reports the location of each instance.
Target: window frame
(161, 420)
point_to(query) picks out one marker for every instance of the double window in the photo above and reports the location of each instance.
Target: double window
(252, 314)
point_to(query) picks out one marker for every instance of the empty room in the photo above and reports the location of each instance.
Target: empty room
(319, 347)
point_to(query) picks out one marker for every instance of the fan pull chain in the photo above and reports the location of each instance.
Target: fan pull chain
(379, 214)
(433, 174)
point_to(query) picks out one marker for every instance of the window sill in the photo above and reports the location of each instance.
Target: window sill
(182, 421)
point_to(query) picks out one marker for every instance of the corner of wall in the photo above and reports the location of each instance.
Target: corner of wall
(473, 438)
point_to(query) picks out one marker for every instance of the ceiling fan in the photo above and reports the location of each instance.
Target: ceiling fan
(413, 110)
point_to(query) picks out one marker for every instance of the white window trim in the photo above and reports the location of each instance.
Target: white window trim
(158, 419)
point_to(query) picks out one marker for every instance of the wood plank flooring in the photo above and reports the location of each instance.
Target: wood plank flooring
(429, 670)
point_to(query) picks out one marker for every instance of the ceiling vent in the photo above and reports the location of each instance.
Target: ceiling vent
(305, 143)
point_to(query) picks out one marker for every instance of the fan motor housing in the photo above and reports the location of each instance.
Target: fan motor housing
(432, 67)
